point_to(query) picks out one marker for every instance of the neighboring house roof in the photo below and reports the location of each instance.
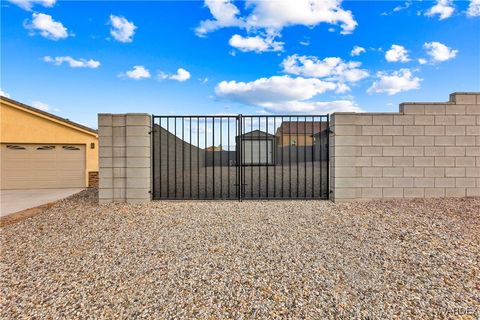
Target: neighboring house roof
(47, 114)
(214, 148)
(257, 134)
(302, 127)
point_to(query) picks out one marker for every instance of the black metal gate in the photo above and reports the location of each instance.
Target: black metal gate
(240, 157)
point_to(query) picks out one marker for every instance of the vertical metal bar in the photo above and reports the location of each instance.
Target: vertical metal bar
(205, 159)
(175, 159)
(305, 157)
(321, 161)
(313, 155)
(228, 154)
(298, 143)
(251, 157)
(168, 158)
(198, 157)
(183, 158)
(266, 151)
(328, 156)
(213, 154)
(237, 155)
(159, 157)
(221, 159)
(274, 157)
(259, 159)
(239, 146)
(190, 155)
(283, 152)
(290, 156)
(242, 166)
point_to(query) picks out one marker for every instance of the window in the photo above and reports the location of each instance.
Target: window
(72, 148)
(46, 148)
(15, 147)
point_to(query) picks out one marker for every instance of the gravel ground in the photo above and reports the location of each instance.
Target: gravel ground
(254, 259)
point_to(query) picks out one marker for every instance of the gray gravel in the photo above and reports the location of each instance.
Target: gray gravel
(255, 259)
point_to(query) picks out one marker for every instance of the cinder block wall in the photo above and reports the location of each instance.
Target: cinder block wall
(425, 150)
(124, 157)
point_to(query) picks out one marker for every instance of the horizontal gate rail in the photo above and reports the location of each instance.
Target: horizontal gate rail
(240, 157)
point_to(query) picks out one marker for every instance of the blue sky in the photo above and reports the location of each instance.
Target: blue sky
(76, 59)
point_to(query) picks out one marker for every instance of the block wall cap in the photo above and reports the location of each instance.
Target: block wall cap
(366, 113)
(124, 114)
(426, 103)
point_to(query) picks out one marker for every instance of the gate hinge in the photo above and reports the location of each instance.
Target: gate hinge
(330, 131)
(150, 132)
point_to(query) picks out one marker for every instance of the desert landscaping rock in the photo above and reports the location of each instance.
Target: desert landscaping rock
(243, 260)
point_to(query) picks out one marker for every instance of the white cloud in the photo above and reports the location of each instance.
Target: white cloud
(181, 75)
(397, 53)
(406, 5)
(74, 63)
(224, 14)
(395, 82)
(28, 4)
(439, 52)
(256, 44)
(314, 107)
(275, 15)
(40, 105)
(331, 68)
(283, 93)
(122, 30)
(43, 106)
(279, 14)
(443, 8)
(356, 51)
(275, 89)
(474, 8)
(305, 43)
(47, 27)
(3, 93)
(422, 61)
(137, 73)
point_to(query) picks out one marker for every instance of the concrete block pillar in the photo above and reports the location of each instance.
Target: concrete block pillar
(125, 157)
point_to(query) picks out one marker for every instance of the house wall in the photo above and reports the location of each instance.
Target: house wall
(125, 157)
(301, 138)
(18, 125)
(425, 150)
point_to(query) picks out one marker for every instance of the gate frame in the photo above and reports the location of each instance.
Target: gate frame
(239, 153)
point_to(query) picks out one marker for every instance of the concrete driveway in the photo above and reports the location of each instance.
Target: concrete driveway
(12, 201)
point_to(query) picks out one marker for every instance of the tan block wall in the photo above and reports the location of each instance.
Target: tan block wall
(125, 159)
(425, 150)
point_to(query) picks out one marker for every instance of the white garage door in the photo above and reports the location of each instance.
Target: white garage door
(36, 166)
(257, 152)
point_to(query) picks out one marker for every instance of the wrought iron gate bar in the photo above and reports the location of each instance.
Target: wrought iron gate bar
(269, 156)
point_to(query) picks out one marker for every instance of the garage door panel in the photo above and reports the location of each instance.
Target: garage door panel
(56, 166)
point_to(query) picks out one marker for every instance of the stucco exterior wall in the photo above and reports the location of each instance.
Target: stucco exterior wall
(19, 125)
(425, 150)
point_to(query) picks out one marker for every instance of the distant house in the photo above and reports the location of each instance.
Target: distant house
(214, 148)
(292, 133)
(258, 148)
